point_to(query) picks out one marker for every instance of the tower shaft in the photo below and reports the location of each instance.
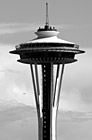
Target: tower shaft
(47, 72)
(47, 112)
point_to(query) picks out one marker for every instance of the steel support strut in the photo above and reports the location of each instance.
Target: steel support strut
(37, 93)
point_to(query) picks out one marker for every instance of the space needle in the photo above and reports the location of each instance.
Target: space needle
(47, 54)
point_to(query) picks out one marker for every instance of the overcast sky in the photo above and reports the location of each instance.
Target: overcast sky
(19, 19)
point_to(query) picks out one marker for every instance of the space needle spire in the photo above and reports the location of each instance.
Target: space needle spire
(50, 54)
(47, 15)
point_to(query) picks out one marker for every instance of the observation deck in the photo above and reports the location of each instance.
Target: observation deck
(47, 48)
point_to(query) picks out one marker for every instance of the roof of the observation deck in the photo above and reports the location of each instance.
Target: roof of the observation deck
(52, 39)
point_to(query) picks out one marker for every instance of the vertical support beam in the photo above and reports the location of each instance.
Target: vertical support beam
(56, 101)
(38, 89)
(54, 123)
(61, 77)
(51, 104)
(47, 71)
(40, 126)
(34, 87)
(57, 74)
(57, 95)
(37, 79)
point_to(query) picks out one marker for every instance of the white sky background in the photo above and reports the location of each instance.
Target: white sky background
(18, 21)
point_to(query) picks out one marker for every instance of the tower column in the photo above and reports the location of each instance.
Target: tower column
(47, 73)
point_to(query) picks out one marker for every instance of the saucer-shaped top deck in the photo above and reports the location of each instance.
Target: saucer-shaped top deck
(47, 48)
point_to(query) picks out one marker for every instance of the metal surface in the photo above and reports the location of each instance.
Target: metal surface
(61, 77)
(37, 79)
(57, 75)
(34, 87)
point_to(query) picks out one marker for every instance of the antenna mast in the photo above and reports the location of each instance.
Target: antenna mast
(47, 16)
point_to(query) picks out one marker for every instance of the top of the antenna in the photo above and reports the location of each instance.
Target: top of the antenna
(47, 15)
(47, 27)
